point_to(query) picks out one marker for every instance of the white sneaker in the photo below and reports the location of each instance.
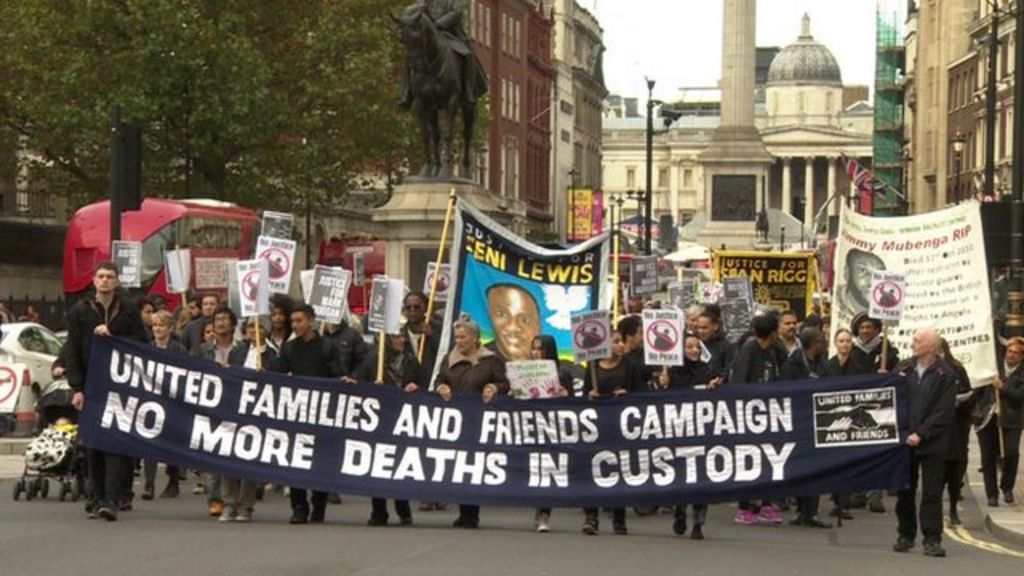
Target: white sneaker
(228, 515)
(244, 516)
(543, 526)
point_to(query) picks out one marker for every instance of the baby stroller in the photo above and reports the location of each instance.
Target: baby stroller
(54, 454)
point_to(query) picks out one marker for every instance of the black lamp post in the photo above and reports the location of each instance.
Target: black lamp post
(1015, 298)
(650, 151)
(643, 223)
(958, 141)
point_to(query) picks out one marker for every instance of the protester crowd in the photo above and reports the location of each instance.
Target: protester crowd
(779, 346)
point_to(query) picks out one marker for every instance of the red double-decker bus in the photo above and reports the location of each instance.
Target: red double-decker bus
(211, 229)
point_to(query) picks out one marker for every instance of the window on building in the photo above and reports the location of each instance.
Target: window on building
(487, 26)
(630, 177)
(687, 178)
(510, 185)
(662, 177)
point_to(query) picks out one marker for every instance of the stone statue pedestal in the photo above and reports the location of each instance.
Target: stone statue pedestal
(414, 219)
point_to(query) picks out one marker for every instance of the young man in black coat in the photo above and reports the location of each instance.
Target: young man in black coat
(803, 364)
(931, 391)
(106, 314)
(308, 354)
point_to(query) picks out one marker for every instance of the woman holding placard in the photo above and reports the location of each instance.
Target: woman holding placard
(468, 370)
(608, 377)
(694, 373)
(544, 347)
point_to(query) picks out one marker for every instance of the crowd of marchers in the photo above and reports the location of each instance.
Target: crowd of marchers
(943, 407)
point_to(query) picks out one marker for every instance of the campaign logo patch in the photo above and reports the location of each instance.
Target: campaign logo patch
(855, 418)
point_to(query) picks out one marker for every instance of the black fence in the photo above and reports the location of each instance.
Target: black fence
(51, 313)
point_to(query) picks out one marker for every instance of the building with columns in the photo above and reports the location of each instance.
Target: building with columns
(804, 127)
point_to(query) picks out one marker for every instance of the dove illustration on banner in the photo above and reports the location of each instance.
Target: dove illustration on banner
(564, 301)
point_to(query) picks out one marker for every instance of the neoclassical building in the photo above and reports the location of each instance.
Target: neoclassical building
(807, 121)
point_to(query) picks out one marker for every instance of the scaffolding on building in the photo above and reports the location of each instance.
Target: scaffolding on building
(887, 161)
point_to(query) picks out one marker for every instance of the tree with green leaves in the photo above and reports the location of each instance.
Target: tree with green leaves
(266, 103)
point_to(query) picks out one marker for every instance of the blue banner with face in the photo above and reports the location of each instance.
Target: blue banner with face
(515, 290)
(681, 445)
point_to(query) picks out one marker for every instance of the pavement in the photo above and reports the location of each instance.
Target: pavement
(1005, 521)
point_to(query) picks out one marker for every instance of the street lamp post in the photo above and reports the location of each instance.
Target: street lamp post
(650, 151)
(642, 226)
(1015, 298)
(958, 152)
(990, 105)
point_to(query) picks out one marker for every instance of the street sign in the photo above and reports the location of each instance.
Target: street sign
(128, 259)
(253, 288)
(888, 289)
(178, 265)
(277, 225)
(280, 256)
(643, 276)
(444, 281)
(591, 335)
(663, 337)
(329, 293)
(10, 384)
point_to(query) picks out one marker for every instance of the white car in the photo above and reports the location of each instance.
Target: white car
(36, 347)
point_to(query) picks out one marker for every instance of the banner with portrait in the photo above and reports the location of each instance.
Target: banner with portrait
(942, 254)
(515, 290)
(779, 281)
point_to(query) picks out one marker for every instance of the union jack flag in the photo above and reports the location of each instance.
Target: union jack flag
(867, 185)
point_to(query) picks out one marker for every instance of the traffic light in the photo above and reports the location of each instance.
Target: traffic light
(127, 163)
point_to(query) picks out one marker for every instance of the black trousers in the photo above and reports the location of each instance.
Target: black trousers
(469, 512)
(380, 508)
(297, 496)
(988, 439)
(931, 472)
(108, 474)
(954, 480)
(700, 512)
(808, 506)
(618, 515)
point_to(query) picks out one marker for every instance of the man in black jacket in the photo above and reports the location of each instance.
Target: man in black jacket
(1005, 422)
(352, 349)
(931, 391)
(107, 314)
(307, 354)
(803, 364)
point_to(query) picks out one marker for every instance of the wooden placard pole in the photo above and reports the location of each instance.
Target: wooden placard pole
(259, 356)
(437, 273)
(382, 336)
(885, 347)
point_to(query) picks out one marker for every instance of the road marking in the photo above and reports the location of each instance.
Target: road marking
(961, 535)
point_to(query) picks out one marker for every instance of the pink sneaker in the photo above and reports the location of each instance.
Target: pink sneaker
(745, 517)
(769, 515)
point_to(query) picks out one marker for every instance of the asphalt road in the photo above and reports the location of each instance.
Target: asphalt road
(46, 537)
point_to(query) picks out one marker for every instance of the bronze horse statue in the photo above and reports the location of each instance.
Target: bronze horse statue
(436, 83)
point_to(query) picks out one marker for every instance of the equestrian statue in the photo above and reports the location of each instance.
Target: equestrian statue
(442, 74)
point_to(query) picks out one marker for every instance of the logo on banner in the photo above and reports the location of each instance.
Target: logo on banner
(591, 335)
(251, 285)
(887, 291)
(855, 418)
(8, 389)
(662, 336)
(444, 281)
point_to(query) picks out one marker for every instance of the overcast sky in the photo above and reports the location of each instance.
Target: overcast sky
(679, 42)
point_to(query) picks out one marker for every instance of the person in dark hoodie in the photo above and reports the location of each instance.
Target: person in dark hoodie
(931, 394)
(631, 330)
(956, 456)
(758, 362)
(867, 359)
(401, 370)
(694, 373)
(709, 329)
(352, 349)
(841, 364)
(803, 364)
(105, 314)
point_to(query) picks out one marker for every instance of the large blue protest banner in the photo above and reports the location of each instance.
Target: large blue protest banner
(735, 442)
(515, 290)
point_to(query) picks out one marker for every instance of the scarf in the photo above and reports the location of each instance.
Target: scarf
(868, 347)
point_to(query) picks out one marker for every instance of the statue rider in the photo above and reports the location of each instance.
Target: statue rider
(447, 18)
